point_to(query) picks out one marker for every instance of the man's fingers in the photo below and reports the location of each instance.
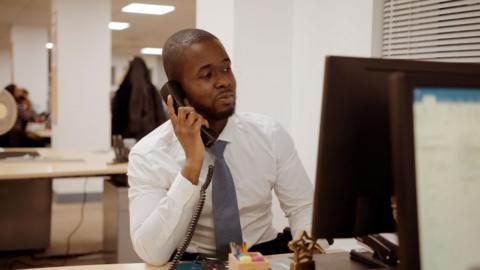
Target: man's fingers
(195, 117)
(198, 124)
(205, 122)
(201, 122)
(183, 113)
(186, 116)
(192, 117)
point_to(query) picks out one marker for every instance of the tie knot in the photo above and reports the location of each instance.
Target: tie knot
(218, 147)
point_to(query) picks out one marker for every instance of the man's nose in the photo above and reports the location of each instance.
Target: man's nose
(223, 81)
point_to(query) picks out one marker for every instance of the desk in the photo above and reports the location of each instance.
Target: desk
(40, 134)
(58, 163)
(26, 191)
(332, 261)
(126, 266)
(277, 262)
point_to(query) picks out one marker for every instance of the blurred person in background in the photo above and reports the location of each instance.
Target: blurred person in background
(137, 107)
(17, 136)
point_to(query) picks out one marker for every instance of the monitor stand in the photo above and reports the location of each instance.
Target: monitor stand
(367, 259)
(384, 251)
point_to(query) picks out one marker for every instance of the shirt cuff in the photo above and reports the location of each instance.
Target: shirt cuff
(183, 192)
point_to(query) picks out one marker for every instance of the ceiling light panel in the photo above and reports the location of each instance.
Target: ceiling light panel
(148, 9)
(118, 25)
(154, 51)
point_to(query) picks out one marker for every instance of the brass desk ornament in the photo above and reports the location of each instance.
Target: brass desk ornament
(303, 249)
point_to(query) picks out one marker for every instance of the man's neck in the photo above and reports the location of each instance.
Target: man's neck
(218, 125)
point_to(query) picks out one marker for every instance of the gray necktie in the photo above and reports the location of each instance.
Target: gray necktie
(225, 208)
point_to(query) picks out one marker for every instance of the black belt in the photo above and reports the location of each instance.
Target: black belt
(278, 245)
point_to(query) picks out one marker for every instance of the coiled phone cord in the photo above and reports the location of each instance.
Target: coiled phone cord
(194, 220)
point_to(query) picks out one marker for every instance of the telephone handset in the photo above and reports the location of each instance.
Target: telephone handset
(174, 89)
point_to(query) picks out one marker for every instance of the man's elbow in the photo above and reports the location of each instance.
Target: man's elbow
(155, 261)
(152, 255)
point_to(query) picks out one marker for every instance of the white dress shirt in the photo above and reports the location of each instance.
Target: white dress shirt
(261, 157)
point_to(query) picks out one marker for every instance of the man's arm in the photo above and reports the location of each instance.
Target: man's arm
(159, 212)
(293, 187)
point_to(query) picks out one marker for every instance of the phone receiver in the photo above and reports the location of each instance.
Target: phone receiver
(173, 88)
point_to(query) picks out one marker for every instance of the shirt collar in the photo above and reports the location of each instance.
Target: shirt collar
(228, 131)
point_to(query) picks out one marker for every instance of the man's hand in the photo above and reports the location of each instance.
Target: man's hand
(187, 125)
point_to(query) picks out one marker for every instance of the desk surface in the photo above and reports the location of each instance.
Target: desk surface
(277, 262)
(55, 163)
(334, 260)
(126, 266)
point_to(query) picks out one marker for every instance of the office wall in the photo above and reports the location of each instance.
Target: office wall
(217, 17)
(278, 50)
(5, 68)
(263, 58)
(30, 62)
(322, 28)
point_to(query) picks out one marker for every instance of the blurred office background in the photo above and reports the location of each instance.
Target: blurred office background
(72, 60)
(277, 48)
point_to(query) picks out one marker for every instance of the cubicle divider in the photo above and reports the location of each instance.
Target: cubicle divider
(25, 211)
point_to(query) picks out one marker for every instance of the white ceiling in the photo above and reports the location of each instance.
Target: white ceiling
(144, 30)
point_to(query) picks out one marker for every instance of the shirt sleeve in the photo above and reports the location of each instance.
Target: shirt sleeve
(292, 187)
(161, 206)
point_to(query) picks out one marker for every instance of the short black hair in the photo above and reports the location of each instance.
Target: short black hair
(176, 44)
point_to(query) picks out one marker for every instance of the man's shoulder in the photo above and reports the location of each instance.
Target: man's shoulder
(160, 139)
(257, 124)
(255, 120)
(155, 154)
(261, 126)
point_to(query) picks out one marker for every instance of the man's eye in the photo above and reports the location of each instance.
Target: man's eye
(206, 75)
(227, 69)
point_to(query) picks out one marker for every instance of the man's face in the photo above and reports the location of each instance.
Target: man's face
(208, 79)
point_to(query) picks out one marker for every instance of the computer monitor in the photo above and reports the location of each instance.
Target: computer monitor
(354, 182)
(436, 149)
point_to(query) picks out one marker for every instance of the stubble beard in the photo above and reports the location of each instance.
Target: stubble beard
(213, 115)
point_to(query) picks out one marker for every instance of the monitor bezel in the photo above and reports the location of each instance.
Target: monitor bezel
(402, 86)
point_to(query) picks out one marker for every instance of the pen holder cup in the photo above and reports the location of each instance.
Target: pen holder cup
(235, 264)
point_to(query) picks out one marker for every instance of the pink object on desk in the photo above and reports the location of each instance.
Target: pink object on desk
(258, 258)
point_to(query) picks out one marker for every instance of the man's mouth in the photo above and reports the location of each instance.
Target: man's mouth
(226, 97)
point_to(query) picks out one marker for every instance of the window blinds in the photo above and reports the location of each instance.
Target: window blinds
(442, 30)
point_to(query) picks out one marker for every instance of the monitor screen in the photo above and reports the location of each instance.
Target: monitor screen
(354, 182)
(435, 122)
(446, 128)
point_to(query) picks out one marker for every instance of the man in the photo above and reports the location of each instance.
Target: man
(169, 165)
